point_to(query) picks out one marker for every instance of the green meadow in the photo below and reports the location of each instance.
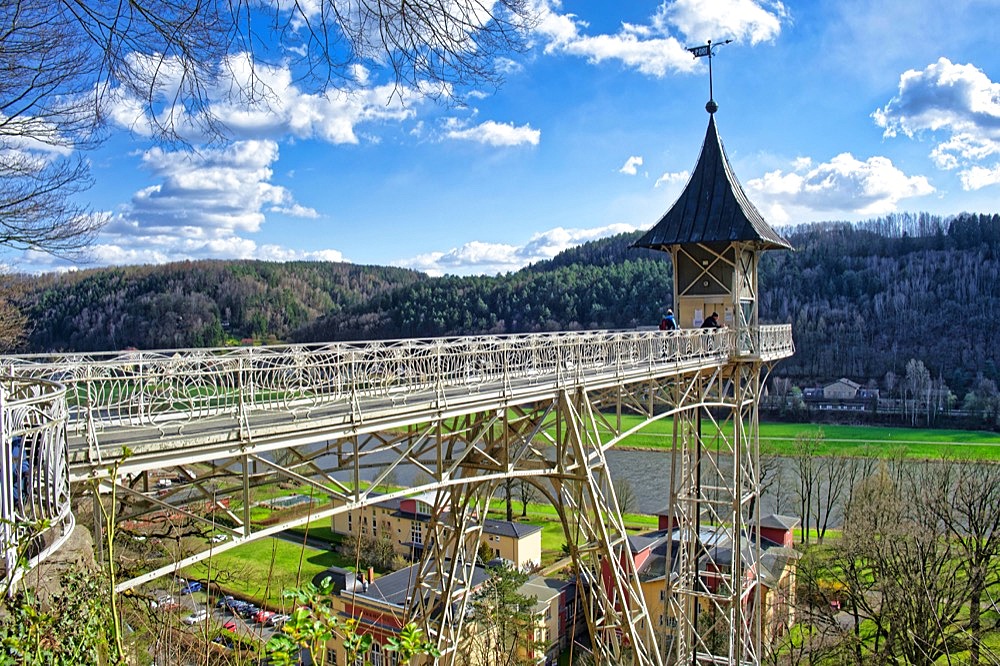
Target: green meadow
(779, 439)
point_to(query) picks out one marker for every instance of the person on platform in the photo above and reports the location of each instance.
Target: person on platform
(712, 321)
(668, 323)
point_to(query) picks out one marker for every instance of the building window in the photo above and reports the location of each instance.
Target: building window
(350, 523)
(416, 533)
(331, 656)
(376, 654)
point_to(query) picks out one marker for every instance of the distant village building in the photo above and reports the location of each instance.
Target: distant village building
(842, 395)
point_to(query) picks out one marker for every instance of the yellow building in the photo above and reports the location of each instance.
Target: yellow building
(773, 575)
(405, 520)
(548, 594)
(380, 606)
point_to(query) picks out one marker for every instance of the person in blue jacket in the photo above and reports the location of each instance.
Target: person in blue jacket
(668, 323)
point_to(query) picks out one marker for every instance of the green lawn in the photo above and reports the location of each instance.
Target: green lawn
(261, 570)
(844, 440)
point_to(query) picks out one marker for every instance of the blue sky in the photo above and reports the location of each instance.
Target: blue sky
(829, 110)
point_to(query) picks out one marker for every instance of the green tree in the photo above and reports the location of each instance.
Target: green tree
(315, 622)
(502, 624)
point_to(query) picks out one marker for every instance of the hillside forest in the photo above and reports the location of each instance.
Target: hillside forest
(889, 303)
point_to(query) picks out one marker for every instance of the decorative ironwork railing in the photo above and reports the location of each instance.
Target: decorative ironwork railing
(35, 511)
(143, 388)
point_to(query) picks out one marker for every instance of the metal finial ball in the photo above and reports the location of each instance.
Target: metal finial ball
(711, 106)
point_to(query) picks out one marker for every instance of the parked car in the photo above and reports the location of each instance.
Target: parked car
(230, 625)
(192, 586)
(199, 615)
(278, 620)
(224, 602)
(248, 611)
(219, 538)
(165, 602)
(263, 616)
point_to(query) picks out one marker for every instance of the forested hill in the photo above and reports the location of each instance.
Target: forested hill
(864, 300)
(194, 304)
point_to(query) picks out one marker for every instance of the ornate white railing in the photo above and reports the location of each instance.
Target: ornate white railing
(35, 511)
(161, 389)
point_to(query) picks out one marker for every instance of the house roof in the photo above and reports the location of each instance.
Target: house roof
(509, 529)
(712, 207)
(778, 521)
(774, 561)
(396, 587)
(715, 544)
(846, 382)
(640, 542)
(543, 594)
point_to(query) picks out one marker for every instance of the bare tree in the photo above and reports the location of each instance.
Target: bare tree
(47, 114)
(771, 482)
(899, 570)
(12, 320)
(162, 65)
(967, 502)
(918, 380)
(831, 482)
(170, 56)
(527, 493)
(628, 501)
(806, 451)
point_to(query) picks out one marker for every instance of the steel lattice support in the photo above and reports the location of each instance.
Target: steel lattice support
(714, 492)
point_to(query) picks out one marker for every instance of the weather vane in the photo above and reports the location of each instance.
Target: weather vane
(708, 50)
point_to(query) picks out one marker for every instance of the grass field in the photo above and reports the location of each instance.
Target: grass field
(261, 570)
(844, 440)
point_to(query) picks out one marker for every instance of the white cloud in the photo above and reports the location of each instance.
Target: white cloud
(670, 178)
(631, 166)
(958, 101)
(481, 258)
(978, 177)
(282, 108)
(740, 20)
(654, 49)
(296, 210)
(210, 193)
(497, 134)
(279, 253)
(842, 185)
(205, 204)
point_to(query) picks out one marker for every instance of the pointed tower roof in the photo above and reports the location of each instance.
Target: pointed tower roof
(713, 206)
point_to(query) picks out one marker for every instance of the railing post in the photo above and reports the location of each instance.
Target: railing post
(7, 498)
(243, 387)
(439, 351)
